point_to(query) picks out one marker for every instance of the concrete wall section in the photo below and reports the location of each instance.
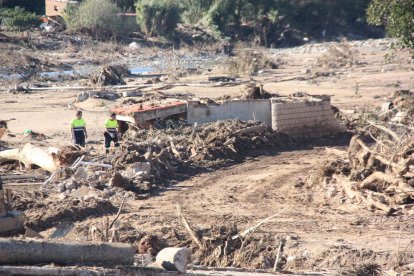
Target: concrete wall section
(245, 110)
(305, 120)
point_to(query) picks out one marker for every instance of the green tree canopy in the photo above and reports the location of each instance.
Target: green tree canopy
(397, 16)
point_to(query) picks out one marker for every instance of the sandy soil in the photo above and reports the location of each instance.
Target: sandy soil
(323, 233)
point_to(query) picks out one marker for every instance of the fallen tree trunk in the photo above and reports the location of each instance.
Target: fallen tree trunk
(372, 181)
(359, 154)
(30, 252)
(353, 194)
(30, 155)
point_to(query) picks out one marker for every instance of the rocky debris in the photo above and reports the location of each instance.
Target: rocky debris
(120, 181)
(110, 75)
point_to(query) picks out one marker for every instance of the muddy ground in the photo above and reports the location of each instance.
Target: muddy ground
(321, 232)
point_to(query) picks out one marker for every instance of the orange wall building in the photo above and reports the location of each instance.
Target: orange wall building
(56, 7)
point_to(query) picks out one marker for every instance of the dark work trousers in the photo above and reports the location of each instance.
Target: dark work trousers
(109, 139)
(79, 137)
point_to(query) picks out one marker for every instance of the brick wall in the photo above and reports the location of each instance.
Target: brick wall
(305, 120)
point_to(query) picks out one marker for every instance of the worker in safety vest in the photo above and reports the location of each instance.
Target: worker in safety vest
(78, 127)
(111, 132)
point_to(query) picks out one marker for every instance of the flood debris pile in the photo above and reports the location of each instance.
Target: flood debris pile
(251, 62)
(109, 75)
(400, 109)
(147, 159)
(397, 109)
(378, 169)
(221, 248)
(225, 245)
(179, 151)
(250, 91)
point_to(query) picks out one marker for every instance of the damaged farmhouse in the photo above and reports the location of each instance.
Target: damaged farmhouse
(301, 118)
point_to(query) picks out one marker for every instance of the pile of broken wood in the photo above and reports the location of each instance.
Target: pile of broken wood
(227, 246)
(172, 151)
(378, 169)
(109, 75)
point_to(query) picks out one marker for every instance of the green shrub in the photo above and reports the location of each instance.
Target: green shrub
(100, 18)
(158, 17)
(195, 10)
(18, 18)
(396, 16)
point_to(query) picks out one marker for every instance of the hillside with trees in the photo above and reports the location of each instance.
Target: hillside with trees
(269, 23)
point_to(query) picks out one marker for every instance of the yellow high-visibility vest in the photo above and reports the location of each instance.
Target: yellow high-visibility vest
(77, 123)
(111, 123)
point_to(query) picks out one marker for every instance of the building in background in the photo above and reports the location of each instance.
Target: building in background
(56, 7)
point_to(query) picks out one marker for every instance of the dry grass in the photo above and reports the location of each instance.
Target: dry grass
(338, 55)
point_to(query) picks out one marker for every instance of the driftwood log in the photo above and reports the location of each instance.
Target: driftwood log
(30, 155)
(30, 252)
(356, 195)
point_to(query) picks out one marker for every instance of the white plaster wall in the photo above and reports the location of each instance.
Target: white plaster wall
(245, 110)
